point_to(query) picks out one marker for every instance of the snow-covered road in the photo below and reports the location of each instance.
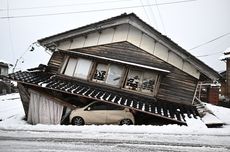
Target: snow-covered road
(16, 135)
(22, 140)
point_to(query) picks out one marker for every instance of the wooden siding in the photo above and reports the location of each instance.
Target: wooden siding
(228, 77)
(176, 86)
(25, 97)
(55, 62)
(126, 52)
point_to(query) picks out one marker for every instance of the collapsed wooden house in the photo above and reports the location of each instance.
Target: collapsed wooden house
(121, 61)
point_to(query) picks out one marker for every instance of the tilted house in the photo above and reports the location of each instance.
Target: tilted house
(122, 61)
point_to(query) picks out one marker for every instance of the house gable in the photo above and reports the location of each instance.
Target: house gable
(129, 33)
(135, 31)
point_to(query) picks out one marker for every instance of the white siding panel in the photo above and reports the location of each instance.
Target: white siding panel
(92, 39)
(134, 36)
(65, 45)
(161, 52)
(78, 42)
(175, 60)
(147, 43)
(188, 68)
(121, 33)
(106, 36)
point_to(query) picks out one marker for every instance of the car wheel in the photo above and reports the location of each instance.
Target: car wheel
(78, 121)
(126, 122)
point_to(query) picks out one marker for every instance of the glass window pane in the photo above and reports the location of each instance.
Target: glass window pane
(98, 106)
(148, 82)
(133, 80)
(114, 75)
(83, 67)
(70, 67)
(100, 73)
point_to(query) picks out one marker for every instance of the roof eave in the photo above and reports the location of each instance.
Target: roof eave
(135, 21)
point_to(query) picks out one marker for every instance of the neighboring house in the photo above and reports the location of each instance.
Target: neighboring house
(4, 67)
(5, 86)
(226, 59)
(121, 61)
(225, 83)
(209, 92)
(223, 91)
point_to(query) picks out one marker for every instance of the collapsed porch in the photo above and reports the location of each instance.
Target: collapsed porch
(143, 105)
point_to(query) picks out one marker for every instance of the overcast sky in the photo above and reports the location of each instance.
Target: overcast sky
(200, 24)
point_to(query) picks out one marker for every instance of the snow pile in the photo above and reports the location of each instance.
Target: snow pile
(11, 114)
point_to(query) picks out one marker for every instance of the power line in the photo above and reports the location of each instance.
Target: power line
(161, 19)
(210, 54)
(10, 32)
(145, 11)
(210, 41)
(67, 5)
(154, 17)
(94, 10)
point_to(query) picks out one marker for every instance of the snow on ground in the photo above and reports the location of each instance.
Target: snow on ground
(16, 135)
(11, 114)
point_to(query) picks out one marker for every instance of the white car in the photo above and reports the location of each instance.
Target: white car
(101, 113)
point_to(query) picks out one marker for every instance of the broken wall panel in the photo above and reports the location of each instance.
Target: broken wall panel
(43, 109)
(25, 97)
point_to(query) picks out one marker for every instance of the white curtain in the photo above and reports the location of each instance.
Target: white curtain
(43, 110)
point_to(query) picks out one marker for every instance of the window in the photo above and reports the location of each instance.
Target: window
(82, 68)
(108, 73)
(100, 73)
(142, 81)
(148, 82)
(114, 75)
(78, 68)
(98, 106)
(114, 107)
(70, 67)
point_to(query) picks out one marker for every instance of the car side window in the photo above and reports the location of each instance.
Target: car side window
(114, 107)
(98, 106)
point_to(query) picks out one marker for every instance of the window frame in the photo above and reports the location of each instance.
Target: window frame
(119, 85)
(142, 71)
(66, 62)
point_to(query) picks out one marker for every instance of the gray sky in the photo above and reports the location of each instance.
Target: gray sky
(189, 24)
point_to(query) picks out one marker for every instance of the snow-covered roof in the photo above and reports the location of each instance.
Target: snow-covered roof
(227, 51)
(224, 57)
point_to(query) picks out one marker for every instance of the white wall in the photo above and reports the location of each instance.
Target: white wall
(136, 37)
